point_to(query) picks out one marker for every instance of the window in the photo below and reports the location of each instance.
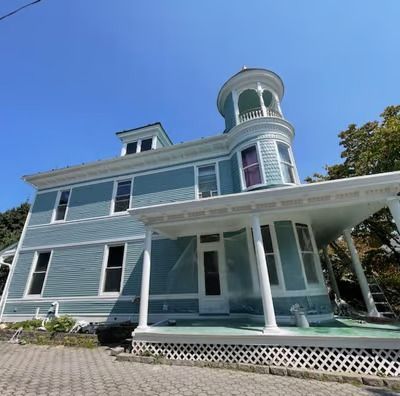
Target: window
(146, 144)
(61, 209)
(131, 148)
(251, 167)
(307, 253)
(207, 181)
(270, 256)
(113, 270)
(211, 274)
(286, 163)
(122, 196)
(39, 273)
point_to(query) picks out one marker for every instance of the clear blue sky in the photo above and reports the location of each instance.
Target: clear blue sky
(74, 72)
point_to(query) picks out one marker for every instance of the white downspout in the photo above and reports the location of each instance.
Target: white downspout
(4, 296)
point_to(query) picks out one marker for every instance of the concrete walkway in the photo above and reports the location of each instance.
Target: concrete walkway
(41, 370)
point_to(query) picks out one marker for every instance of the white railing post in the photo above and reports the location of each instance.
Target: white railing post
(362, 280)
(145, 288)
(265, 286)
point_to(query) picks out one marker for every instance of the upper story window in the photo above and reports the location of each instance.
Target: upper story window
(113, 269)
(251, 167)
(307, 253)
(39, 274)
(122, 196)
(61, 209)
(139, 145)
(207, 181)
(286, 163)
(270, 255)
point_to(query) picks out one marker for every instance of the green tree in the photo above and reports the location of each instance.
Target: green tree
(372, 148)
(11, 224)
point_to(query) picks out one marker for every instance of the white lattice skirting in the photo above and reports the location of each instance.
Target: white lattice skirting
(350, 360)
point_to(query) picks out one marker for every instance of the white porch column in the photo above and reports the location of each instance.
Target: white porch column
(265, 287)
(362, 280)
(145, 289)
(394, 207)
(331, 273)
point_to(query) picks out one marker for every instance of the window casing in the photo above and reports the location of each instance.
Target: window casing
(38, 276)
(251, 168)
(122, 196)
(307, 254)
(286, 163)
(62, 205)
(131, 148)
(139, 145)
(207, 181)
(270, 256)
(113, 269)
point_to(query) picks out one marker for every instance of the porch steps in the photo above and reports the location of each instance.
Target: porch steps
(382, 304)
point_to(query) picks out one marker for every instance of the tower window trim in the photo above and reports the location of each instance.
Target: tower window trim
(114, 196)
(61, 206)
(283, 163)
(242, 169)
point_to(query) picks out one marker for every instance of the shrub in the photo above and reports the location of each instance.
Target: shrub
(62, 324)
(32, 324)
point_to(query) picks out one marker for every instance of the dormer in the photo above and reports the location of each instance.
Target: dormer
(250, 94)
(138, 140)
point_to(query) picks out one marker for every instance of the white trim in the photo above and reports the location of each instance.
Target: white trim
(196, 177)
(57, 204)
(281, 161)
(114, 195)
(32, 271)
(104, 269)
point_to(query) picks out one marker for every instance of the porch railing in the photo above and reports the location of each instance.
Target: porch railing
(258, 113)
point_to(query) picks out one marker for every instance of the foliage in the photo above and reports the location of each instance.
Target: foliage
(62, 324)
(372, 148)
(32, 324)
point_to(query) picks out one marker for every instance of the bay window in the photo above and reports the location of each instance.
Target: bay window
(251, 167)
(286, 163)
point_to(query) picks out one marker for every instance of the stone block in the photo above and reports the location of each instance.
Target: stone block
(278, 370)
(371, 380)
(392, 383)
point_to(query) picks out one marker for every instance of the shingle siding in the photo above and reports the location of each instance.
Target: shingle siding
(271, 163)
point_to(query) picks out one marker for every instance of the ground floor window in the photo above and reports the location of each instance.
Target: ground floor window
(269, 255)
(39, 273)
(113, 269)
(307, 253)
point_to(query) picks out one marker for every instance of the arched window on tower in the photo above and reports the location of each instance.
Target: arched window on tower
(267, 98)
(249, 105)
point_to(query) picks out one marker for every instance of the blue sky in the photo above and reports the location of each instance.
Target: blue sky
(74, 72)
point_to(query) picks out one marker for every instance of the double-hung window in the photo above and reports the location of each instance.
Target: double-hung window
(251, 167)
(269, 256)
(122, 196)
(113, 269)
(39, 273)
(286, 163)
(307, 253)
(61, 209)
(207, 181)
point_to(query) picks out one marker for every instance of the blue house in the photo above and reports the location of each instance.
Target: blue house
(215, 228)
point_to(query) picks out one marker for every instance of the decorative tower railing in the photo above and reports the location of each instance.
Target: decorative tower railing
(258, 113)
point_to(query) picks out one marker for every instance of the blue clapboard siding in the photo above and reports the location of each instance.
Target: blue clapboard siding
(271, 162)
(92, 200)
(103, 229)
(21, 274)
(43, 207)
(174, 266)
(236, 186)
(74, 272)
(229, 113)
(133, 269)
(225, 177)
(162, 187)
(290, 258)
(102, 307)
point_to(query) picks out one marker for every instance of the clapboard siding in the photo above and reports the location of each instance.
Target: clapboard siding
(74, 272)
(42, 209)
(87, 231)
(133, 269)
(235, 174)
(92, 200)
(162, 187)
(21, 273)
(225, 177)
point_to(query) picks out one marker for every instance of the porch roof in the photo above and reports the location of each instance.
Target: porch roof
(330, 206)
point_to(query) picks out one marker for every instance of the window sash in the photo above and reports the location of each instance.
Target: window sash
(307, 253)
(38, 276)
(122, 196)
(131, 148)
(146, 144)
(270, 255)
(113, 270)
(286, 163)
(61, 209)
(207, 181)
(251, 167)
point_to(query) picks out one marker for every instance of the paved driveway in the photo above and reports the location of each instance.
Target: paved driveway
(40, 370)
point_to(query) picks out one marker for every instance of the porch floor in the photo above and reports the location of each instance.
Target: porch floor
(247, 327)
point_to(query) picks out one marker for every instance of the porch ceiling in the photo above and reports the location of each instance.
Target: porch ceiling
(330, 207)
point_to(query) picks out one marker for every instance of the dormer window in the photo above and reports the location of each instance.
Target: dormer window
(139, 145)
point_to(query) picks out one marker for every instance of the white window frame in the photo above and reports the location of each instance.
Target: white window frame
(281, 162)
(139, 144)
(104, 268)
(53, 216)
(114, 194)
(196, 175)
(317, 264)
(260, 164)
(32, 271)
